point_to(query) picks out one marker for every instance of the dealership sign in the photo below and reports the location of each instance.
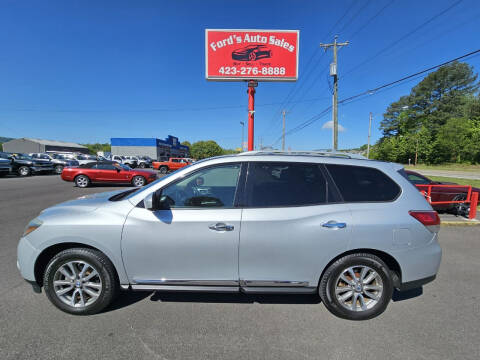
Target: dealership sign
(268, 55)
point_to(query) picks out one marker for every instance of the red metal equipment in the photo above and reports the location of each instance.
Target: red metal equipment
(251, 111)
(472, 197)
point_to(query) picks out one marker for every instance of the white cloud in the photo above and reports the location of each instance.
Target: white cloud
(329, 125)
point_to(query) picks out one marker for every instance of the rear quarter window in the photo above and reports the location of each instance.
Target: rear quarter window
(363, 184)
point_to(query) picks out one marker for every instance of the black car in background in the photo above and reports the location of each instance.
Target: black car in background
(24, 165)
(252, 53)
(59, 161)
(5, 166)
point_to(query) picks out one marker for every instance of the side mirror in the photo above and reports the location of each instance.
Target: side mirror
(148, 202)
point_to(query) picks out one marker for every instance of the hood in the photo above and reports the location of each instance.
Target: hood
(86, 202)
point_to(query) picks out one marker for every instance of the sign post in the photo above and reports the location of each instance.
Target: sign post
(251, 55)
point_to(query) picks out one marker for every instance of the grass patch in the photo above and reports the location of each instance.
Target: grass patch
(451, 167)
(475, 183)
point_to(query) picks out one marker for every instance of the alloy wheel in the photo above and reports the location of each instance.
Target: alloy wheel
(77, 284)
(359, 288)
(82, 181)
(138, 181)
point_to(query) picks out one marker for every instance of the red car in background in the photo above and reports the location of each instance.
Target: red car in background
(107, 172)
(171, 165)
(443, 193)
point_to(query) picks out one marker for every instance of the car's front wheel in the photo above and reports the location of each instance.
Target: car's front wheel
(82, 181)
(80, 281)
(163, 170)
(23, 171)
(356, 287)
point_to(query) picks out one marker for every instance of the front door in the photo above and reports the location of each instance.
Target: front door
(192, 240)
(292, 226)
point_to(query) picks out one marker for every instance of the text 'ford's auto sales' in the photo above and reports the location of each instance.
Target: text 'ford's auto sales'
(252, 54)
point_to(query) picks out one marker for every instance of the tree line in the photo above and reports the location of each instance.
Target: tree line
(439, 120)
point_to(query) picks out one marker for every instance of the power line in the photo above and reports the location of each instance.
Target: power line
(372, 92)
(403, 37)
(148, 110)
(371, 19)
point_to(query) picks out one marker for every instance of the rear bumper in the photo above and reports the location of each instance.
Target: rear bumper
(419, 264)
(416, 283)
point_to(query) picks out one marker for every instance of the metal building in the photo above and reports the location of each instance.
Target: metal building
(29, 145)
(152, 147)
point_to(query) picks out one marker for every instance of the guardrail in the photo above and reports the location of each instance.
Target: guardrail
(471, 198)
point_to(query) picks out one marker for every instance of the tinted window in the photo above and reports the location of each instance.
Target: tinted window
(213, 187)
(415, 179)
(285, 184)
(106, 166)
(357, 183)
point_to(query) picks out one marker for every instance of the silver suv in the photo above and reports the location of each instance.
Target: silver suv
(350, 230)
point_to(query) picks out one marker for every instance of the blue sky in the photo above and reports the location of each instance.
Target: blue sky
(87, 71)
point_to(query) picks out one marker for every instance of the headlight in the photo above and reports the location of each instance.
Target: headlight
(32, 225)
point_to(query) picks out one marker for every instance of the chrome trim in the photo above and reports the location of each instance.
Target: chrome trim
(186, 288)
(278, 290)
(169, 282)
(273, 283)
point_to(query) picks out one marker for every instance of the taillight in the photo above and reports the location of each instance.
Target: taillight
(427, 218)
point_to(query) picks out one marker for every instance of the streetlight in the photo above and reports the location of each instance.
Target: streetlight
(243, 131)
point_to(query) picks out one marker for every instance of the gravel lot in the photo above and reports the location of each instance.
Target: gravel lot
(441, 323)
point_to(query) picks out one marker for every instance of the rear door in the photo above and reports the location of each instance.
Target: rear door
(292, 225)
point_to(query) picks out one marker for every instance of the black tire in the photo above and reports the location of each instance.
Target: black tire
(142, 165)
(163, 170)
(328, 285)
(24, 171)
(82, 181)
(106, 273)
(139, 181)
(58, 169)
(460, 209)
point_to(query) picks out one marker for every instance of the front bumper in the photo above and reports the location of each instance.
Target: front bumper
(26, 257)
(6, 169)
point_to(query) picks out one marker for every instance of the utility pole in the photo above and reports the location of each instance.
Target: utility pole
(369, 133)
(283, 130)
(334, 73)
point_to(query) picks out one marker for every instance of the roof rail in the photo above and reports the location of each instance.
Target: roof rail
(337, 154)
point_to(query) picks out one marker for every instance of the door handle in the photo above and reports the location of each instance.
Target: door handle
(221, 227)
(335, 225)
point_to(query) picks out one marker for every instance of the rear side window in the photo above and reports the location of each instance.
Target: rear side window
(363, 184)
(285, 184)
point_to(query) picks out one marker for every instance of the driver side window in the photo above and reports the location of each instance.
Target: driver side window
(214, 187)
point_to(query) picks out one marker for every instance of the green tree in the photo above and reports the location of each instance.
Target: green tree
(440, 112)
(94, 148)
(186, 143)
(205, 149)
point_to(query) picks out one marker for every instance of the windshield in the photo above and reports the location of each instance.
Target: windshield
(22, 157)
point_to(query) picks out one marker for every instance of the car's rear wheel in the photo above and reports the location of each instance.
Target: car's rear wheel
(80, 281)
(82, 181)
(142, 165)
(23, 171)
(139, 181)
(462, 209)
(163, 170)
(58, 169)
(356, 287)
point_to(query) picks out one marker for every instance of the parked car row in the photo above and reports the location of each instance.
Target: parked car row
(24, 164)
